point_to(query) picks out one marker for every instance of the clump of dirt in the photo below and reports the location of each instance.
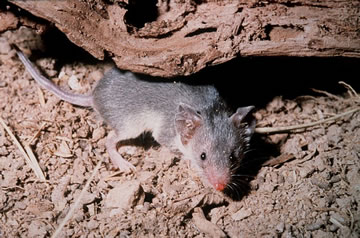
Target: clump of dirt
(310, 187)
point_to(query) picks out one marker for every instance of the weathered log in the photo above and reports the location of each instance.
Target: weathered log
(181, 37)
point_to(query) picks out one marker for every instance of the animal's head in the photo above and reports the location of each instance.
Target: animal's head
(215, 140)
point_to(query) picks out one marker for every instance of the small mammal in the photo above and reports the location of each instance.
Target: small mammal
(193, 120)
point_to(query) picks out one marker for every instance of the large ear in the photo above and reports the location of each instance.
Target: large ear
(242, 118)
(187, 120)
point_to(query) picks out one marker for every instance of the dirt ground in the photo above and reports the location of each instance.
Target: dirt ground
(309, 187)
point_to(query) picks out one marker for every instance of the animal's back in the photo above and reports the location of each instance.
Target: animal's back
(126, 101)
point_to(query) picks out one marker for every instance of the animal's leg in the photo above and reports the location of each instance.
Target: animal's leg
(118, 161)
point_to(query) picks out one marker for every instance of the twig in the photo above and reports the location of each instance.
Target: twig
(308, 157)
(41, 97)
(281, 159)
(352, 221)
(194, 194)
(283, 129)
(330, 95)
(336, 222)
(31, 155)
(76, 203)
(30, 161)
(352, 91)
(36, 167)
(36, 135)
(329, 209)
(16, 142)
(112, 176)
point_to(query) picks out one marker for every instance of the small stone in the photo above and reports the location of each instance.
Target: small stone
(306, 171)
(333, 228)
(314, 226)
(241, 214)
(92, 224)
(268, 187)
(280, 228)
(344, 201)
(74, 83)
(321, 184)
(96, 75)
(338, 220)
(98, 133)
(124, 196)
(37, 229)
(4, 46)
(3, 151)
(334, 134)
(319, 164)
(205, 226)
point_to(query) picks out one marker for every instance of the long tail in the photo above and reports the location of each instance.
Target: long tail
(77, 99)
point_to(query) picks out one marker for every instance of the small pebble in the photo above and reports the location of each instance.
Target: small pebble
(74, 83)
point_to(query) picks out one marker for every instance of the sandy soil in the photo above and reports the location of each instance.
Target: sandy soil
(310, 187)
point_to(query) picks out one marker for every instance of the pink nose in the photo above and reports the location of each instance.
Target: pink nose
(218, 180)
(219, 186)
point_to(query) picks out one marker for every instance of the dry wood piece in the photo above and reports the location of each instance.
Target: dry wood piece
(283, 158)
(285, 129)
(206, 226)
(171, 38)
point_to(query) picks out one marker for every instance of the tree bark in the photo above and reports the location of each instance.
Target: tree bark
(180, 37)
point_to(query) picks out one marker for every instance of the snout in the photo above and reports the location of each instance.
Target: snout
(218, 179)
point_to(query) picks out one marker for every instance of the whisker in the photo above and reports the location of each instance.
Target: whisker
(248, 150)
(242, 176)
(236, 190)
(234, 167)
(240, 182)
(229, 186)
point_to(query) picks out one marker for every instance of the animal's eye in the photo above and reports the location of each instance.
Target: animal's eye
(203, 156)
(232, 157)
